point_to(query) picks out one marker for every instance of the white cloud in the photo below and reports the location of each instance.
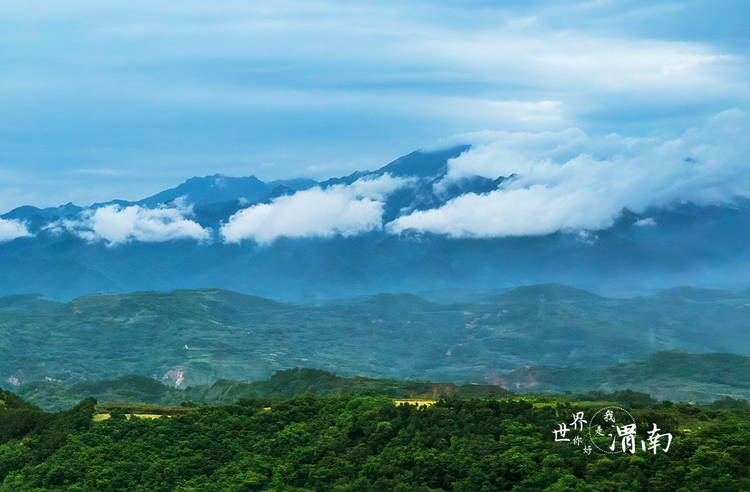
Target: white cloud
(159, 91)
(117, 225)
(339, 209)
(570, 181)
(377, 188)
(11, 229)
(645, 222)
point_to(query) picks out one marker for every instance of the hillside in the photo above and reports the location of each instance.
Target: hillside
(369, 442)
(665, 376)
(55, 396)
(192, 337)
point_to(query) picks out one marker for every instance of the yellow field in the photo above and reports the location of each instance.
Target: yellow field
(419, 403)
(104, 416)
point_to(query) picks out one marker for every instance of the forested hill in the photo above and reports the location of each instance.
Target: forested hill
(359, 442)
(284, 384)
(534, 338)
(664, 375)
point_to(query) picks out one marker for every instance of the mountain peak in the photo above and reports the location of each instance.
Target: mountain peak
(423, 163)
(548, 292)
(219, 189)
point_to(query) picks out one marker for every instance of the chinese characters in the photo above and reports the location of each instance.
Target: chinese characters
(611, 430)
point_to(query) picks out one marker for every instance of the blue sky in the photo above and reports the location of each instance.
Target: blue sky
(104, 100)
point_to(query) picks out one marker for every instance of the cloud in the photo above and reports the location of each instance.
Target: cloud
(116, 225)
(11, 229)
(570, 181)
(159, 91)
(377, 188)
(645, 222)
(340, 209)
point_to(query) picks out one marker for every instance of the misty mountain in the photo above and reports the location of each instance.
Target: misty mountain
(322, 241)
(216, 198)
(220, 189)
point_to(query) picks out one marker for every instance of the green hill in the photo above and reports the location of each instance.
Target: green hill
(698, 378)
(189, 338)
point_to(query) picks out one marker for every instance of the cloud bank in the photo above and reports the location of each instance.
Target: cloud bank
(570, 181)
(11, 229)
(558, 181)
(116, 225)
(317, 212)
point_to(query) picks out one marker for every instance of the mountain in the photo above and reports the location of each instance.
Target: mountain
(219, 189)
(419, 164)
(665, 375)
(551, 292)
(196, 337)
(318, 242)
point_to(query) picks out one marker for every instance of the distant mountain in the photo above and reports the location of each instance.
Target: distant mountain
(27, 212)
(196, 337)
(419, 164)
(175, 240)
(691, 294)
(219, 189)
(697, 378)
(551, 292)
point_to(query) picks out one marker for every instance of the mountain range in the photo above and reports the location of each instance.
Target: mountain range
(234, 279)
(303, 241)
(536, 338)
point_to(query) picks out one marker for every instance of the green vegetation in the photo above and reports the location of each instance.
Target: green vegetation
(150, 394)
(545, 338)
(364, 442)
(55, 396)
(284, 384)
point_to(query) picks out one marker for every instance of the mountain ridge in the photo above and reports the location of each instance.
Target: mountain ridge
(163, 243)
(193, 337)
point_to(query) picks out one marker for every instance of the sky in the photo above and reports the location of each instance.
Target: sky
(121, 100)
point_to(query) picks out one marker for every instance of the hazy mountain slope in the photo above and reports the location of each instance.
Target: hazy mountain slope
(682, 244)
(665, 375)
(200, 336)
(220, 189)
(698, 378)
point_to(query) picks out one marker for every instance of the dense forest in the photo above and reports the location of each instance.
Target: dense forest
(368, 442)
